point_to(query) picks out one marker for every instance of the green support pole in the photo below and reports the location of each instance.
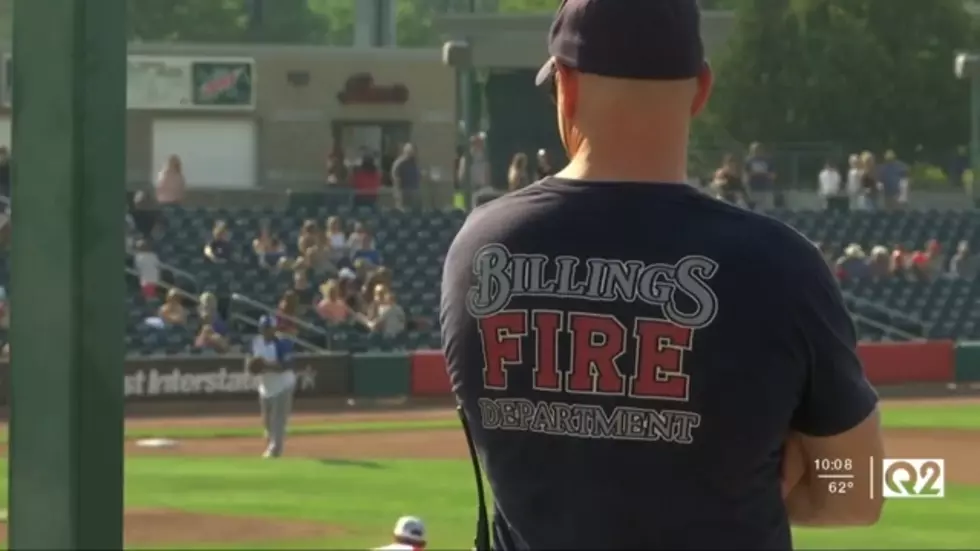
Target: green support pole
(465, 76)
(975, 137)
(66, 391)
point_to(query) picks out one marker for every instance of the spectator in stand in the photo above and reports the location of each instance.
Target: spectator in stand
(406, 177)
(926, 264)
(759, 177)
(830, 182)
(385, 316)
(543, 167)
(370, 282)
(147, 265)
(309, 235)
(337, 241)
(4, 174)
(958, 166)
(171, 185)
(207, 311)
(318, 259)
(172, 311)
(368, 252)
(366, 182)
(209, 339)
(478, 165)
(350, 290)
(727, 184)
(879, 263)
(963, 264)
(361, 244)
(517, 177)
(870, 187)
(218, 250)
(854, 263)
(286, 312)
(5, 352)
(4, 309)
(146, 214)
(332, 308)
(268, 249)
(304, 291)
(893, 176)
(898, 264)
(854, 181)
(937, 261)
(336, 171)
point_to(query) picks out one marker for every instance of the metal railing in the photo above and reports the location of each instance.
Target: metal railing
(302, 342)
(240, 317)
(887, 310)
(178, 272)
(239, 298)
(887, 329)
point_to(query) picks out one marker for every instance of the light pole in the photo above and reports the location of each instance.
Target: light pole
(967, 66)
(458, 54)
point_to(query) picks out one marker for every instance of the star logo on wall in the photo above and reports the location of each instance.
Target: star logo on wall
(307, 378)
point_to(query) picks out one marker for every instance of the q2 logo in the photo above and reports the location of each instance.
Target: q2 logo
(913, 478)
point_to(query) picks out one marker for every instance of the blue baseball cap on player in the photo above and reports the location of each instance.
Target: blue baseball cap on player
(267, 322)
(635, 39)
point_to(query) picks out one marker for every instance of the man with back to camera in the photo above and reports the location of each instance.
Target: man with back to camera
(643, 366)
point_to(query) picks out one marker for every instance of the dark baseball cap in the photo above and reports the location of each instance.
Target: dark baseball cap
(635, 39)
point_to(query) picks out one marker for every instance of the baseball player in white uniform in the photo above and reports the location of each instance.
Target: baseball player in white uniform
(270, 359)
(409, 535)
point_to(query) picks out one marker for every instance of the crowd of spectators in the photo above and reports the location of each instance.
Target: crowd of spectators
(926, 264)
(336, 277)
(867, 184)
(334, 274)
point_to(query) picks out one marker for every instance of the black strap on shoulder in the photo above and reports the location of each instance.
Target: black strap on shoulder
(482, 540)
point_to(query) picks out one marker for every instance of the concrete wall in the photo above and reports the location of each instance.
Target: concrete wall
(296, 123)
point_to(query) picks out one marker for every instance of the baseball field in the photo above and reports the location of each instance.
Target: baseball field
(349, 475)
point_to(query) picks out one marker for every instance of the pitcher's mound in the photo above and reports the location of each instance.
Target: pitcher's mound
(169, 526)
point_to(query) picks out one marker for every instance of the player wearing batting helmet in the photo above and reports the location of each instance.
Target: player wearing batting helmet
(408, 535)
(642, 366)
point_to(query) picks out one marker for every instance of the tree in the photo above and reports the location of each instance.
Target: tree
(186, 20)
(870, 74)
(292, 22)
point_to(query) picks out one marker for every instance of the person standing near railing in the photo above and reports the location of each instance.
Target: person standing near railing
(271, 360)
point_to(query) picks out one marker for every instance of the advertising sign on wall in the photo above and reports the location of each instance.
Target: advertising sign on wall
(184, 378)
(178, 83)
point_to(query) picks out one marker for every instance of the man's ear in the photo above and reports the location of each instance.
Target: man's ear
(706, 80)
(566, 91)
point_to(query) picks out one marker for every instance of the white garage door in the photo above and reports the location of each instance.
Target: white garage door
(215, 153)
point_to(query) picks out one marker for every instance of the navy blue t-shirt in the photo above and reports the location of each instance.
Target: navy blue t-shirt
(631, 357)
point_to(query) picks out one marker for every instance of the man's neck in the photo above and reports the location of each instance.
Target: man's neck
(627, 166)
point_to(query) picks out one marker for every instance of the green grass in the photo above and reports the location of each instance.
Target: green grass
(895, 416)
(364, 498)
(959, 416)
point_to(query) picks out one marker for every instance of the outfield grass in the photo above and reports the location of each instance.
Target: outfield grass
(364, 498)
(895, 416)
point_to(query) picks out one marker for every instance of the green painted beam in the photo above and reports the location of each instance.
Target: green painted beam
(66, 428)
